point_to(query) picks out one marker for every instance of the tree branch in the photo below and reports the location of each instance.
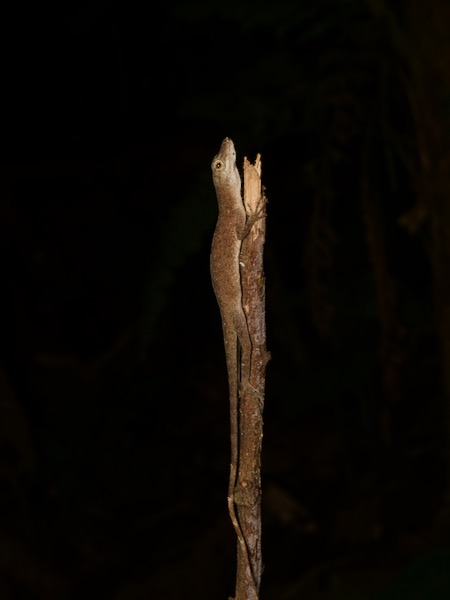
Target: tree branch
(248, 488)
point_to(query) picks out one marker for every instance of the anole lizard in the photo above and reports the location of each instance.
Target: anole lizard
(232, 227)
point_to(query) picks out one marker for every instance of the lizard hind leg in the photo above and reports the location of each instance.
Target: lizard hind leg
(245, 347)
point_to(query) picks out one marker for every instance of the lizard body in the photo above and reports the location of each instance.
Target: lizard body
(232, 226)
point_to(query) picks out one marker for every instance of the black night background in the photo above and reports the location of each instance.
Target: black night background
(114, 432)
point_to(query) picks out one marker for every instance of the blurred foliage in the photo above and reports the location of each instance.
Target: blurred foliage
(426, 577)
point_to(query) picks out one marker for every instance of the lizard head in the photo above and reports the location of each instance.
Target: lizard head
(223, 166)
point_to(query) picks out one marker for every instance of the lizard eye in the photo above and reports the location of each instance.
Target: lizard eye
(218, 165)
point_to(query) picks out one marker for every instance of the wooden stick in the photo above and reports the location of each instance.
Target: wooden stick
(248, 488)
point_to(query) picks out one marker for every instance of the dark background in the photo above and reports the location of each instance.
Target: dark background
(114, 447)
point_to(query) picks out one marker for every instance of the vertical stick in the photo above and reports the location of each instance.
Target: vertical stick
(248, 489)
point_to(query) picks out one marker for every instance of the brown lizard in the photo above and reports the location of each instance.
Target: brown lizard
(232, 227)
